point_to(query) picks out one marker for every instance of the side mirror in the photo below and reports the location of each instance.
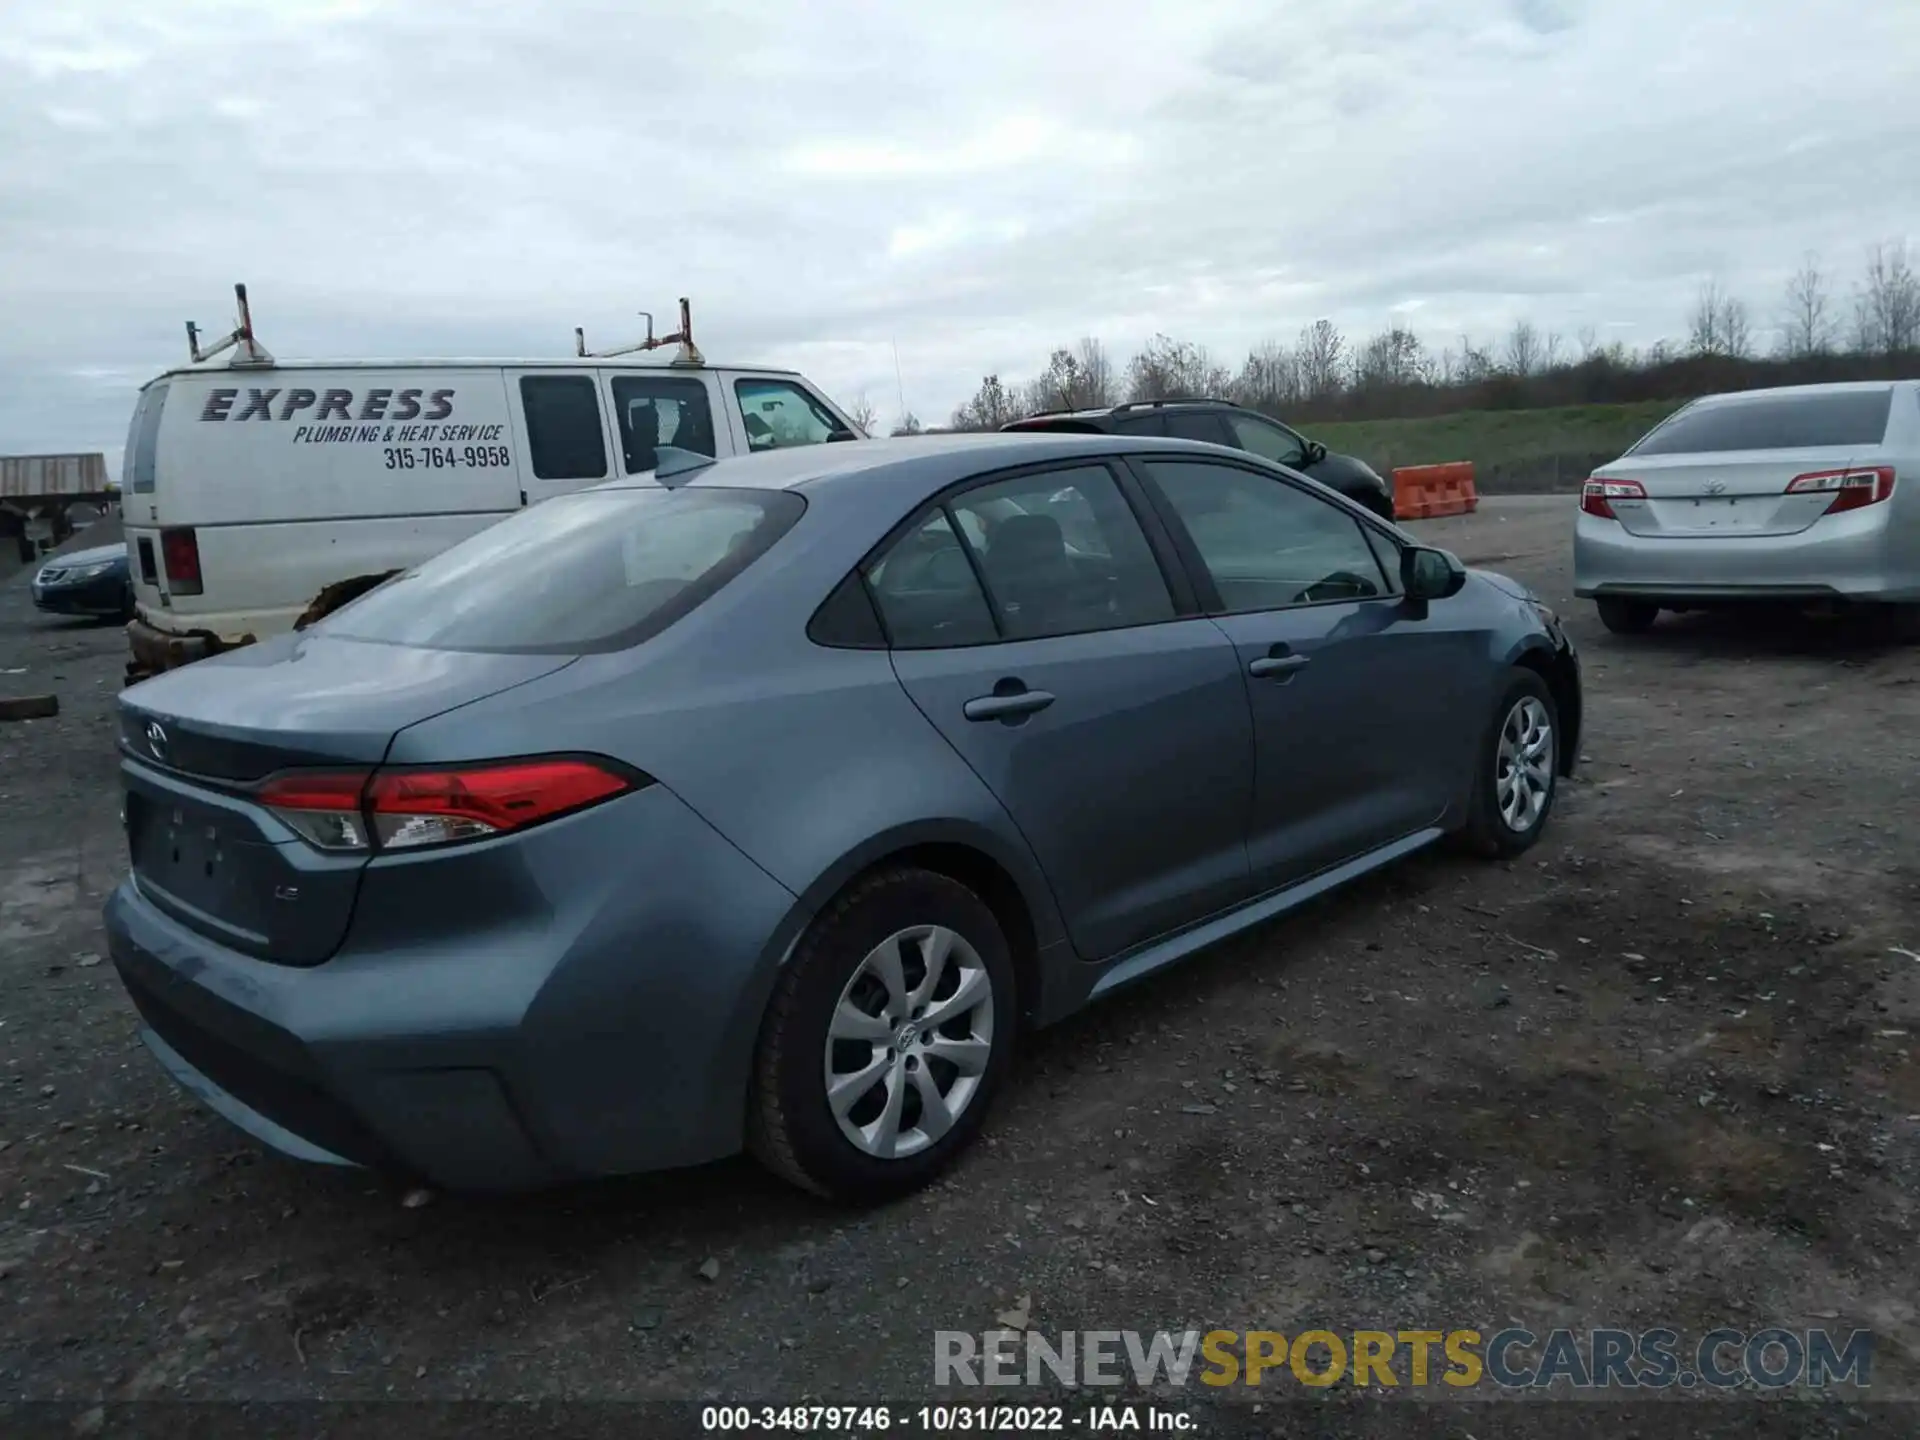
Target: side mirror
(1430, 574)
(1316, 452)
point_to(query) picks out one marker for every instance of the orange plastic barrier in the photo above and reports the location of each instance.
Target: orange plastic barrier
(1421, 492)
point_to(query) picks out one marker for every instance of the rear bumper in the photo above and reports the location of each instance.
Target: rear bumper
(155, 650)
(610, 1033)
(1844, 557)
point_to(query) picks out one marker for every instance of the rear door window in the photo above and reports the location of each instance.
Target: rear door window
(1840, 419)
(780, 413)
(142, 440)
(927, 592)
(564, 433)
(593, 571)
(1198, 425)
(1062, 554)
(656, 410)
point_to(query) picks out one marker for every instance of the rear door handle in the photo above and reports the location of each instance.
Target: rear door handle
(1006, 704)
(1276, 667)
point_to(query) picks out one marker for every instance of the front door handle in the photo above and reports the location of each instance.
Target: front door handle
(1278, 664)
(1007, 703)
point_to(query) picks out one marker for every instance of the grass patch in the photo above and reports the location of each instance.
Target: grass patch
(1511, 449)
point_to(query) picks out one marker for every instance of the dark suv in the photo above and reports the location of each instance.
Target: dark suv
(1220, 422)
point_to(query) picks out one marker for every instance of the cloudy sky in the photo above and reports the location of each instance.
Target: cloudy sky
(970, 183)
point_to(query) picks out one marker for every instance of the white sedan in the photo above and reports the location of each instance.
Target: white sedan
(1790, 494)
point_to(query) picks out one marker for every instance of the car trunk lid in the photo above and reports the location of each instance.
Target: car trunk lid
(198, 741)
(1732, 494)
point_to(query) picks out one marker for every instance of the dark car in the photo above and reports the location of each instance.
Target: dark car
(1221, 422)
(86, 582)
(767, 802)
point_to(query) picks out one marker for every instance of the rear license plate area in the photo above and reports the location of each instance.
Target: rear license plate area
(1711, 514)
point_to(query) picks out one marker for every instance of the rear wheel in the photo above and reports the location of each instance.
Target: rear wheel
(1626, 617)
(886, 1038)
(1518, 771)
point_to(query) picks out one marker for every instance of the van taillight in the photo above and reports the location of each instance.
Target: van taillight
(409, 808)
(180, 554)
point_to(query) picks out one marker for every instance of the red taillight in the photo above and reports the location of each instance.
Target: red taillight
(405, 809)
(1851, 489)
(180, 554)
(1597, 495)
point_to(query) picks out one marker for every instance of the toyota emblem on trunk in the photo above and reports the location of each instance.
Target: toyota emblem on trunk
(1716, 487)
(157, 739)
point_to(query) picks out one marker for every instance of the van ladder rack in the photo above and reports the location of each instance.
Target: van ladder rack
(247, 350)
(683, 337)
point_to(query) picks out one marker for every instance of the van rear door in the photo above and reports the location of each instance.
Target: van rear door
(139, 495)
(560, 431)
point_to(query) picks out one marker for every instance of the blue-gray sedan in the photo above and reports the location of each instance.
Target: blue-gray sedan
(764, 803)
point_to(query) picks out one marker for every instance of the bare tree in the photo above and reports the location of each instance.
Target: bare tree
(1550, 353)
(1476, 362)
(1167, 368)
(909, 424)
(1393, 359)
(865, 418)
(1719, 324)
(992, 406)
(1319, 354)
(1270, 379)
(1736, 330)
(1523, 349)
(1097, 385)
(1703, 324)
(1589, 342)
(1891, 300)
(1076, 378)
(1809, 325)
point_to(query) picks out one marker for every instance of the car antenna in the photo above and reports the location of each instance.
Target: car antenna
(673, 467)
(683, 337)
(246, 349)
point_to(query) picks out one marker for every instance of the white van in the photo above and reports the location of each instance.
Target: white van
(257, 491)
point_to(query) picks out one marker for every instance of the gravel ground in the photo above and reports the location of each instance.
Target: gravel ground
(1661, 1071)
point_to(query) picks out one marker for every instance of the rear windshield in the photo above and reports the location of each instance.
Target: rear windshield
(1780, 422)
(600, 570)
(136, 467)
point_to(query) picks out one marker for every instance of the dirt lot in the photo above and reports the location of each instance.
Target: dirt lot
(1662, 1071)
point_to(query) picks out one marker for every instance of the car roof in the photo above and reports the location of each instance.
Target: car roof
(1103, 412)
(1774, 392)
(918, 465)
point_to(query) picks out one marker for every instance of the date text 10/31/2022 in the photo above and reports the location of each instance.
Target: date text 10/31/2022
(867, 1420)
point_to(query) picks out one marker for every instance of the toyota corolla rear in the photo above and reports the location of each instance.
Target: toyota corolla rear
(439, 966)
(1795, 494)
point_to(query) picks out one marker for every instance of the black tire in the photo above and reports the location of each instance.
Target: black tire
(1627, 617)
(1488, 832)
(791, 1128)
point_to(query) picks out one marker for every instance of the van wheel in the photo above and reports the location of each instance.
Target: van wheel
(1627, 617)
(1517, 771)
(886, 1039)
